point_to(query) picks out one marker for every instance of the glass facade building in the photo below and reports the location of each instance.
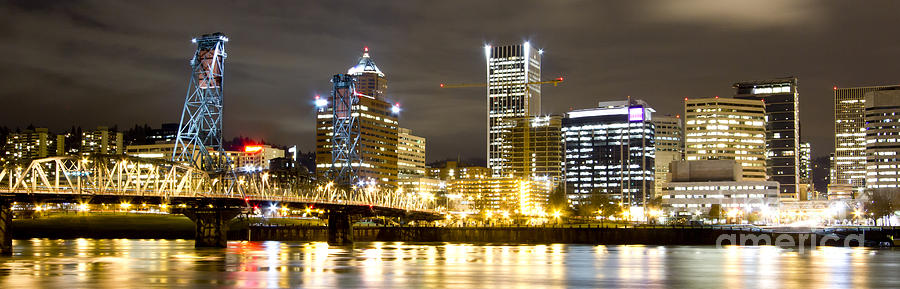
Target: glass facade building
(727, 129)
(782, 130)
(849, 162)
(537, 148)
(610, 150)
(882, 113)
(510, 97)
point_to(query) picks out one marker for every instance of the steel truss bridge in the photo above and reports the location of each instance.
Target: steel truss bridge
(210, 200)
(132, 178)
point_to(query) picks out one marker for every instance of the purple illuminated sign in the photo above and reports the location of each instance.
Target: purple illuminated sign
(636, 113)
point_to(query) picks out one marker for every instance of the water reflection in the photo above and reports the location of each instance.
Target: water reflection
(119, 263)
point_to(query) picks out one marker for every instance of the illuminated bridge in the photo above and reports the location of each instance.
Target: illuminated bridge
(208, 200)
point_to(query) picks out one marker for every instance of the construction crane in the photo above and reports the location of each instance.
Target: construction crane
(554, 82)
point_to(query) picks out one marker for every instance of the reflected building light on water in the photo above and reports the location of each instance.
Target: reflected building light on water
(141, 263)
(859, 269)
(372, 263)
(431, 255)
(731, 267)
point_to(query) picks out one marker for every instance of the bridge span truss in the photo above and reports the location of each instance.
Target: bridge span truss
(99, 179)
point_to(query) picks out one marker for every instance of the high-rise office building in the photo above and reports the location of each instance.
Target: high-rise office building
(669, 144)
(33, 144)
(849, 162)
(807, 186)
(537, 148)
(727, 129)
(882, 120)
(377, 125)
(782, 130)
(102, 141)
(509, 96)
(610, 150)
(410, 154)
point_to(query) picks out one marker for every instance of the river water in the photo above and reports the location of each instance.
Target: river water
(128, 263)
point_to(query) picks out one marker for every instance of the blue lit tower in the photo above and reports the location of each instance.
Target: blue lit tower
(345, 160)
(200, 129)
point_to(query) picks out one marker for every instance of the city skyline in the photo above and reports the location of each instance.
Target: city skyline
(421, 144)
(81, 56)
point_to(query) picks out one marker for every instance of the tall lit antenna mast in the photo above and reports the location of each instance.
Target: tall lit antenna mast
(200, 129)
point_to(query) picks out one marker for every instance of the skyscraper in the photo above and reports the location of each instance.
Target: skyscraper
(509, 96)
(669, 144)
(782, 130)
(806, 175)
(849, 163)
(727, 129)
(377, 125)
(882, 119)
(610, 150)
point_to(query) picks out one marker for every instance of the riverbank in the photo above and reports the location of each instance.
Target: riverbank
(606, 235)
(126, 225)
(165, 226)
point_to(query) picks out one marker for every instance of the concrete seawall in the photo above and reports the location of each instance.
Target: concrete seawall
(579, 235)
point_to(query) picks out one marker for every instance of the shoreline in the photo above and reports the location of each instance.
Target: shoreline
(164, 226)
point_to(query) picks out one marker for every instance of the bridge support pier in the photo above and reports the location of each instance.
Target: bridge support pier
(340, 228)
(210, 225)
(5, 226)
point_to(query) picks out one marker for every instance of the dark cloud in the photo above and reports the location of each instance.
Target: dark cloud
(120, 62)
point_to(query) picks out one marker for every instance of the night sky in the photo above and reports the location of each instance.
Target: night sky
(93, 63)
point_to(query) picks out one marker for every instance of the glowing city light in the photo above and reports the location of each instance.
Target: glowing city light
(252, 149)
(395, 108)
(321, 102)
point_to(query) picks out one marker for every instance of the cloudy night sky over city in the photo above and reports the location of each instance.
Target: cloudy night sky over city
(93, 63)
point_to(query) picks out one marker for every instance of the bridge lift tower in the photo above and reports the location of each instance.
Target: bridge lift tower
(200, 129)
(345, 158)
